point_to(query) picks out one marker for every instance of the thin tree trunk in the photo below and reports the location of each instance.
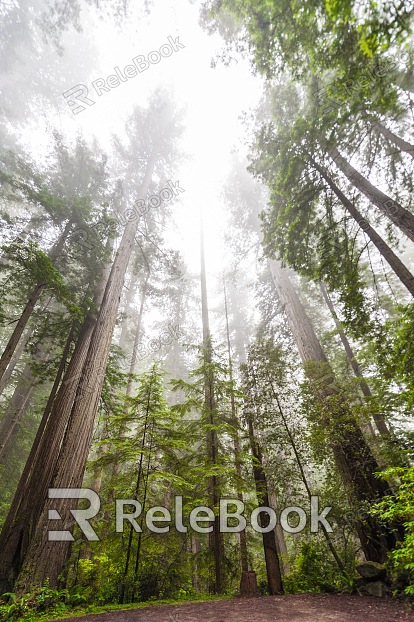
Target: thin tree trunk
(10, 422)
(131, 529)
(215, 538)
(17, 355)
(379, 421)
(17, 407)
(242, 535)
(304, 479)
(116, 467)
(31, 303)
(137, 336)
(128, 299)
(353, 457)
(395, 212)
(195, 548)
(279, 533)
(396, 264)
(274, 575)
(46, 559)
(404, 80)
(10, 369)
(393, 138)
(142, 518)
(20, 326)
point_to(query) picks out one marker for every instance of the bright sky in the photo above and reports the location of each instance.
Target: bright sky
(214, 99)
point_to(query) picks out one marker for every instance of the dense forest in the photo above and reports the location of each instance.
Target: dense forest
(207, 351)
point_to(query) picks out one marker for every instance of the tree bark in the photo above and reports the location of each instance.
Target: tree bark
(353, 457)
(195, 548)
(395, 212)
(396, 264)
(20, 326)
(46, 559)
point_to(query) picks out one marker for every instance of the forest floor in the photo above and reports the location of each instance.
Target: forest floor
(290, 608)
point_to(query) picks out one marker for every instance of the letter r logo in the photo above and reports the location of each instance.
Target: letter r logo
(78, 94)
(80, 516)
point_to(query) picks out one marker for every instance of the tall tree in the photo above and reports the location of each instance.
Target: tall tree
(353, 457)
(44, 558)
(215, 539)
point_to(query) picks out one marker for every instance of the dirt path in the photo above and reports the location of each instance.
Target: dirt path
(291, 608)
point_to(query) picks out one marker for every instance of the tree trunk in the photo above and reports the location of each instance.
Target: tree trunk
(195, 548)
(393, 138)
(116, 467)
(20, 326)
(353, 457)
(137, 336)
(215, 537)
(274, 576)
(31, 492)
(303, 476)
(13, 415)
(404, 80)
(379, 421)
(242, 535)
(17, 407)
(44, 558)
(395, 212)
(17, 355)
(281, 546)
(396, 264)
(10, 369)
(140, 469)
(128, 299)
(31, 303)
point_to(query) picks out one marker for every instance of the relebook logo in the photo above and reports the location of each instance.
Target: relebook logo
(78, 95)
(199, 515)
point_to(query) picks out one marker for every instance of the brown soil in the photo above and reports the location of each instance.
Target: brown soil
(290, 608)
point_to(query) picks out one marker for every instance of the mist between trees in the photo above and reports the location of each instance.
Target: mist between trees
(288, 259)
(82, 237)
(155, 344)
(79, 94)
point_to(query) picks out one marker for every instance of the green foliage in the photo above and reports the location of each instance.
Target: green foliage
(29, 266)
(30, 606)
(399, 507)
(310, 572)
